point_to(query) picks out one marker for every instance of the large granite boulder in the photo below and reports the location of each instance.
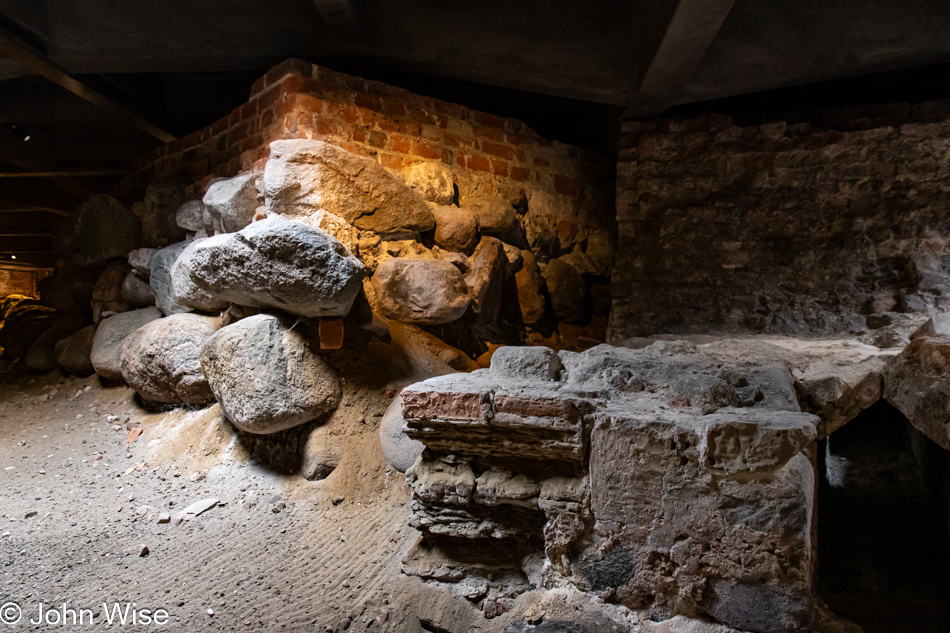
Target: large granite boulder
(305, 175)
(276, 263)
(106, 352)
(160, 279)
(421, 291)
(266, 377)
(160, 360)
(232, 203)
(73, 352)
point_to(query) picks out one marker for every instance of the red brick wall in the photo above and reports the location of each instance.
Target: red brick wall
(17, 281)
(299, 100)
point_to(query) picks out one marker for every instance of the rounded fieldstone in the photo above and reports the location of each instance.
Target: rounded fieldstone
(266, 377)
(160, 360)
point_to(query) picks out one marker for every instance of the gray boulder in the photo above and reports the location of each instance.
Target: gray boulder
(190, 215)
(422, 291)
(106, 353)
(266, 377)
(232, 203)
(107, 229)
(526, 363)
(161, 281)
(184, 290)
(305, 175)
(136, 292)
(140, 260)
(160, 359)
(400, 450)
(72, 352)
(273, 263)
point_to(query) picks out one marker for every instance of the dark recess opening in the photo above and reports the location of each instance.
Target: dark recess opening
(883, 542)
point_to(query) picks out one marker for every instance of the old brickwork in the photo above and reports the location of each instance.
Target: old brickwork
(488, 155)
(800, 228)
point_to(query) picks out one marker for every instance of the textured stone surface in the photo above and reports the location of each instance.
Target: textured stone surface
(107, 293)
(140, 260)
(566, 288)
(163, 197)
(917, 382)
(232, 203)
(494, 215)
(190, 215)
(432, 180)
(540, 363)
(160, 359)
(266, 377)
(136, 292)
(754, 237)
(399, 449)
(160, 279)
(423, 291)
(72, 352)
(670, 478)
(106, 353)
(487, 270)
(106, 228)
(528, 281)
(274, 263)
(304, 175)
(455, 228)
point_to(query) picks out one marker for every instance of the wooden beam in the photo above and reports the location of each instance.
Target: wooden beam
(65, 173)
(38, 63)
(21, 207)
(692, 27)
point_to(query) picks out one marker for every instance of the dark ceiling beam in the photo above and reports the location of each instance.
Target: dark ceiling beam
(690, 31)
(35, 61)
(64, 173)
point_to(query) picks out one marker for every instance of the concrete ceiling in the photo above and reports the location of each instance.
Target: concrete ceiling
(98, 81)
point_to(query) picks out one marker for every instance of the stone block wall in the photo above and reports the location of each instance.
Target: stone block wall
(838, 224)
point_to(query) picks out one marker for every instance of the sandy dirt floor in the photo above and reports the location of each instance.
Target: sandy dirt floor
(78, 501)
